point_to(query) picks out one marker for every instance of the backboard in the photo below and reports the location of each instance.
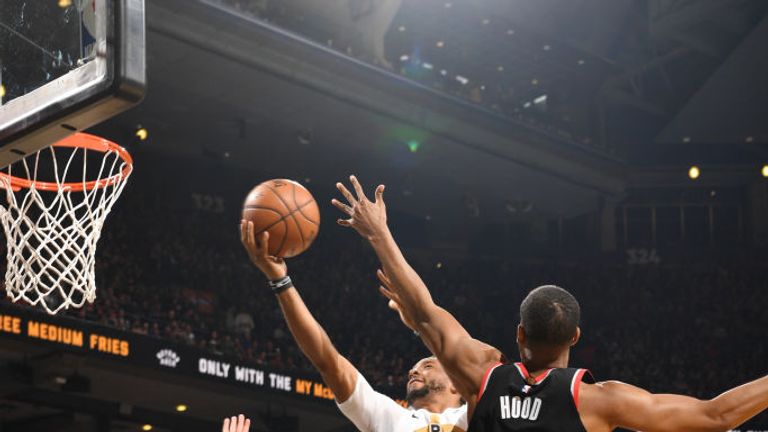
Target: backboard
(66, 65)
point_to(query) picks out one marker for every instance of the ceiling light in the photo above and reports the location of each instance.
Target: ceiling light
(141, 133)
(462, 79)
(581, 62)
(146, 427)
(304, 136)
(748, 139)
(486, 21)
(413, 146)
(694, 172)
(765, 171)
(510, 32)
(535, 81)
(500, 68)
(440, 44)
(546, 47)
(404, 57)
(401, 29)
(686, 139)
(181, 408)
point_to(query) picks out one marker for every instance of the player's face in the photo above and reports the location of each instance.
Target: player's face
(427, 375)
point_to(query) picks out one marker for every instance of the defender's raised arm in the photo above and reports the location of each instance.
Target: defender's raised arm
(509, 397)
(466, 359)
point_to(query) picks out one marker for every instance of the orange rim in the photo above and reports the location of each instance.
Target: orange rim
(83, 141)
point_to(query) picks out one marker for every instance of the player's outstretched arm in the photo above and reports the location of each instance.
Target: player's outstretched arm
(626, 406)
(337, 372)
(464, 358)
(236, 424)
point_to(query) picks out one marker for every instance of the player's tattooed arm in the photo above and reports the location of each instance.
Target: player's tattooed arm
(616, 404)
(464, 358)
(337, 372)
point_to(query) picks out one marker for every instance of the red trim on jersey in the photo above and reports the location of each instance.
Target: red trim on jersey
(524, 372)
(484, 382)
(575, 384)
(543, 376)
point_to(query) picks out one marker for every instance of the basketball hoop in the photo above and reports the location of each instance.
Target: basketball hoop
(52, 226)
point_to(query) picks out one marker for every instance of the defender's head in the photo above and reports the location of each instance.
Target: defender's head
(549, 321)
(428, 383)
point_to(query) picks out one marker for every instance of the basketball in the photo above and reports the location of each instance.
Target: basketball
(287, 211)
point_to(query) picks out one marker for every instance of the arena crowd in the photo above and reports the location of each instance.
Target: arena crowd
(684, 327)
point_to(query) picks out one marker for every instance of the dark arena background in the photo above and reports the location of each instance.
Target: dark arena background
(616, 148)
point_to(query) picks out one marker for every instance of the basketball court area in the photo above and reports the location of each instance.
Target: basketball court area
(620, 149)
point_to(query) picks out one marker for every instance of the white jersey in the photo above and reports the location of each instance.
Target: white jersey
(371, 411)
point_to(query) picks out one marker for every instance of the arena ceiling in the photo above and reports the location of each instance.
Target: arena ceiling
(652, 71)
(685, 71)
(213, 102)
(664, 82)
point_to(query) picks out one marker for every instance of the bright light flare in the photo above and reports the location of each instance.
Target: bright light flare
(694, 172)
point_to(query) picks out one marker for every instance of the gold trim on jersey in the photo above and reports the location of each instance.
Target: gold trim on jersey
(436, 426)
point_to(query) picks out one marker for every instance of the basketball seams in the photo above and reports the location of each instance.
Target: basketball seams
(282, 218)
(304, 215)
(290, 213)
(258, 207)
(279, 198)
(255, 207)
(296, 221)
(285, 236)
(304, 242)
(272, 224)
(285, 202)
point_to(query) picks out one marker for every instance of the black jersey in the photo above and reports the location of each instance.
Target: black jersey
(511, 400)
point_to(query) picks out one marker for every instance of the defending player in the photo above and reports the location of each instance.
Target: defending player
(435, 402)
(540, 393)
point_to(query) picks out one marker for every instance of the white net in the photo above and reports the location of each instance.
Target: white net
(52, 227)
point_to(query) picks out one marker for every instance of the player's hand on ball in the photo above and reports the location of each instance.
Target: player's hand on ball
(368, 218)
(236, 424)
(274, 268)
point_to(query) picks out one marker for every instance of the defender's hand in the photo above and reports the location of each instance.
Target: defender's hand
(386, 289)
(236, 424)
(257, 246)
(368, 218)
